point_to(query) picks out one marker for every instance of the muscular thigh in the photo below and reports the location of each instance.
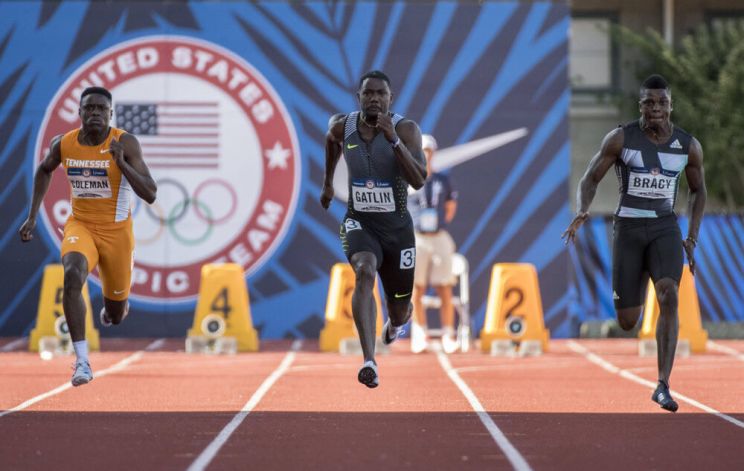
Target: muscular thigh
(664, 254)
(116, 249)
(356, 238)
(629, 273)
(398, 264)
(79, 238)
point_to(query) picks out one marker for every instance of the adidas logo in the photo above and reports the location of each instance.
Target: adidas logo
(615, 296)
(675, 144)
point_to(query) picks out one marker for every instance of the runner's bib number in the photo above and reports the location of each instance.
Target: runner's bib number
(370, 196)
(653, 184)
(89, 183)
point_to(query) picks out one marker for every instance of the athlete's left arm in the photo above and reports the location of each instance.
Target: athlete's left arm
(695, 175)
(128, 156)
(406, 142)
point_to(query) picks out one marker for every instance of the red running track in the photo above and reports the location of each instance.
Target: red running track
(583, 405)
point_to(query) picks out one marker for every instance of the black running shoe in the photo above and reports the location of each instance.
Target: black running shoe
(368, 375)
(662, 397)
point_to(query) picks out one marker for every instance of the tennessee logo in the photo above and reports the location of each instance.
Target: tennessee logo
(223, 196)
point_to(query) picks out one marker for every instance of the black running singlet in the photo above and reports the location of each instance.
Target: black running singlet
(377, 189)
(649, 173)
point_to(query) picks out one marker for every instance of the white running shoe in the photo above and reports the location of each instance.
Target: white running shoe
(419, 342)
(449, 344)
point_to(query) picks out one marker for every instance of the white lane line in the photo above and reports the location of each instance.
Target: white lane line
(606, 365)
(206, 456)
(515, 458)
(12, 345)
(122, 364)
(156, 345)
(727, 350)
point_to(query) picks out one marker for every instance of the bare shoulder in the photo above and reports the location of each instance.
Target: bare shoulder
(56, 141)
(130, 142)
(695, 153)
(336, 125)
(408, 128)
(336, 119)
(55, 147)
(127, 138)
(616, 136)
(613, 142)
(695, 146)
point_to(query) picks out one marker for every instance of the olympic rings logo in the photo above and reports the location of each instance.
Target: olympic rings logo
(168, 220)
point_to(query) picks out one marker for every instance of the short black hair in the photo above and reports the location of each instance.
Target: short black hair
(378, 74)
(655, 82)
(96, 91)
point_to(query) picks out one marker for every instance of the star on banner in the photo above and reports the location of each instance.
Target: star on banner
(277, 156)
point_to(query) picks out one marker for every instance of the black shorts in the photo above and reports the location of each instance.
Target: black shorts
(644, 247)
(395, 251)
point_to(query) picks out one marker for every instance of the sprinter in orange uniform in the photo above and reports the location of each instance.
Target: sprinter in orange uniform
(103, 165)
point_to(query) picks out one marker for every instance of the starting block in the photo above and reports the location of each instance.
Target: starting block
(352, 346)
(510, 348)
(53, 346)
(647, 348)
(222, 320)
(51, 336)
(514, 314)
(212, 346)
(690, 325)
(339, 333)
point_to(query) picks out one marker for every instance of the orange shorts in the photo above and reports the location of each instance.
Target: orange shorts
(108, 246)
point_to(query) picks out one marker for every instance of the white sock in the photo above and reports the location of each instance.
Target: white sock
(449, 331)
(81, 349)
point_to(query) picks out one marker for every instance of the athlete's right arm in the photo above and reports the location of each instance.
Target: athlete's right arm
(608, 154)
(42, 178)
(333, 148)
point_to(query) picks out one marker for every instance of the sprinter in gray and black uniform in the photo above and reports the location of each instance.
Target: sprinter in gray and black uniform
(384, 156)
(649, 156)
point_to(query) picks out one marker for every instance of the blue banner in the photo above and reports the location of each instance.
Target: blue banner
(231, 101)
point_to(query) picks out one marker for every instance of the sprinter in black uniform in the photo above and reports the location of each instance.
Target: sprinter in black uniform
(384, 156)
(649, 156)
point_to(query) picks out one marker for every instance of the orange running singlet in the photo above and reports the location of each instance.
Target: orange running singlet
(99, 192)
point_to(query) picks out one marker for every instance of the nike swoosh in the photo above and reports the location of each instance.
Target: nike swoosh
(455, 155)
(398, 296)
(104, 151)
(118, 292)
(349, 146)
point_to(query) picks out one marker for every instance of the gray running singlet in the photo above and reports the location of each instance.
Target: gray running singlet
(649, 173)
(377, 189)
